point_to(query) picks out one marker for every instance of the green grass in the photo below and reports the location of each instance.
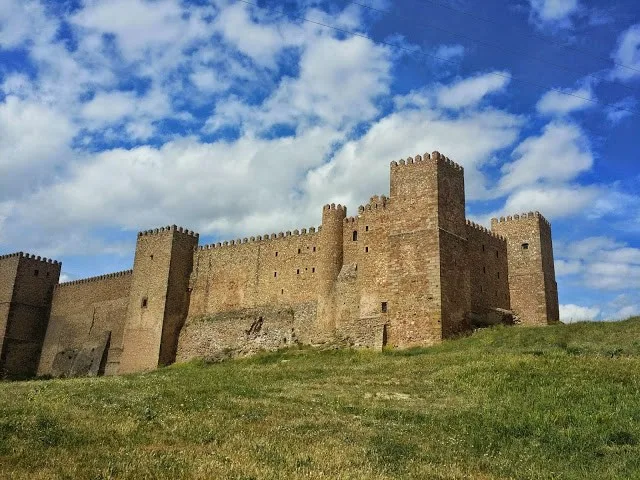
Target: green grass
(554, 402)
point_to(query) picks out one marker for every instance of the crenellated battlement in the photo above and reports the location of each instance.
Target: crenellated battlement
(485, 230)
(333, 206)
(375, 202)
(261, 238)
(168, 228)
(522, 216)
(30, 257)
(426, 158)
(107, 276)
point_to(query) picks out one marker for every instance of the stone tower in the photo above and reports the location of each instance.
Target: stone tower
(532, 286)
(159, 298)
(26, 289)
(330, 256)
(429, 289)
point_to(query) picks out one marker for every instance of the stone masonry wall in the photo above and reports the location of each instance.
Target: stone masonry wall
(274, 269)
(532, 288)
(245, 331)
(83, 314)
(414, 309)
(8, 270)
(161, 269)
(28, 314)
(488, 269)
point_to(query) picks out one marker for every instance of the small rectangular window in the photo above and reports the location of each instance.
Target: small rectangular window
(35, 273)
(525, 246)
(366, 228)
(355, 236)
(314, 249)
(496, 254)
(366, 249)
(298, 271)
(275, 274)
(145, 302)
(483, 247)
(313, 270)
(484, 269)
(384, 307)
(276, 254)
(299, 251)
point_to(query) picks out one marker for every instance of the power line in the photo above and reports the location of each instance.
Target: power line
(413, 52)
(533, 35)
(482, 42)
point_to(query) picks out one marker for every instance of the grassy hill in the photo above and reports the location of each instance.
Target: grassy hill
(554, 402)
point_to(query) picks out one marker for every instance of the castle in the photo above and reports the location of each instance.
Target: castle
(408, 270)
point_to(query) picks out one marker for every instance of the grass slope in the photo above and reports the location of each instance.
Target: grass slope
(554, 402)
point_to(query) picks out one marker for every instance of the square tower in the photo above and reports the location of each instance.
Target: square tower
(429, 278)
(532, 280)
(158, 299)
(26, 289)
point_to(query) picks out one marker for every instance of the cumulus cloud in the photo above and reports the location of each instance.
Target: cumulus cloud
(556, 102)
(602, 263)
(33, 140)
(627, 54)
(559, 154)
(470, 91)
(553, 201)
(571, 313)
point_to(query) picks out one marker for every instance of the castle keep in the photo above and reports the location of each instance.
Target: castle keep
(408, 270)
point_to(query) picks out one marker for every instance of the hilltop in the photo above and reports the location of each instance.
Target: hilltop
(554, 402)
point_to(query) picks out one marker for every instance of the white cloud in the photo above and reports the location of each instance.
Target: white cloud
(472, 90)
(556, 103)
(602, 262)
(559, 154)
(553, 12)
(157, 27)
(571, 313)
(19, 19)
(338, 84)
(566, 267)
(552, 201)
(627, 53)
(260, 41)
(33, 139)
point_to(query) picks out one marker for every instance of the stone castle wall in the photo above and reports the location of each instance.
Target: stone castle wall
(407, 270)
(488, 269)
(87, 320)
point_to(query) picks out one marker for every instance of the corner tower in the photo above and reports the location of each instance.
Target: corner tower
(26, 289)
(532, 279)
(159, 298)
(429, 277)
(330, 256)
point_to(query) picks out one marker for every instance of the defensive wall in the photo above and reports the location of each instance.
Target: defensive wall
(409, 269)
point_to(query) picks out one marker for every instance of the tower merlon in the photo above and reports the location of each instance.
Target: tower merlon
(168, 228)
(423, 159)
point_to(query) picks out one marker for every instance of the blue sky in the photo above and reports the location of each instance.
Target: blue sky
(233, 119)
